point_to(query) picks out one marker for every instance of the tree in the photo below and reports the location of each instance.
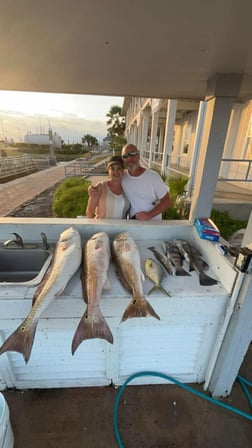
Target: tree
(117, 143)
(115, 122)
(90, 140)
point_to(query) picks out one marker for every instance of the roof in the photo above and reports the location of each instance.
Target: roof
(142, 48)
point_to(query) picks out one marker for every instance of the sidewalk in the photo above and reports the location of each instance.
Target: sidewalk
(15, 193)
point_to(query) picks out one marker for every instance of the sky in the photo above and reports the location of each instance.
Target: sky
(70, 116)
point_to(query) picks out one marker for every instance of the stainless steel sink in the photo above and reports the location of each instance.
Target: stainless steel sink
(23, 266)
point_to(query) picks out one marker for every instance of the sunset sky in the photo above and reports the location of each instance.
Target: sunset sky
(70, 116)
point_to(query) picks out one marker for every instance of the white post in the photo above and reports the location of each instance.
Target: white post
(169, 131)
(145, 124)
(223, 89)
(196, 148)
(154, 127)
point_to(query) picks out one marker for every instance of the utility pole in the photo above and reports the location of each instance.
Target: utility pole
(52, 153)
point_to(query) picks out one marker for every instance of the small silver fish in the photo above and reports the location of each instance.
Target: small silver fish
(164, 260)
(155, 273)
(96, 258)
(196, 262)
(173, 253)
(66, 260)
(127, 259)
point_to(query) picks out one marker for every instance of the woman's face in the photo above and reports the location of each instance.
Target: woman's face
(115, 171)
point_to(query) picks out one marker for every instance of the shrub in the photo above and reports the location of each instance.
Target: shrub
(227, 225)
(177, 190)
(70, 199)
(177, 186)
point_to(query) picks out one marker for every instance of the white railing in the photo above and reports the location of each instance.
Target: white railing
(235, 170)
(239, 170)
(16, 165)
(79, 167)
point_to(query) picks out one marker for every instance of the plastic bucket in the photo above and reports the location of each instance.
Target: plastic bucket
(6, 433)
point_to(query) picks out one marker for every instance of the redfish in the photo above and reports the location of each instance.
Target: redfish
(96, 259)
(127, 259)
(65, 262)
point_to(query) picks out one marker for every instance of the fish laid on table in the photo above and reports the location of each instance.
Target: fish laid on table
(172, 251)
(65, 262)
(164, 260)
(128, 263)
(196, 262)
(155, 273)
(96, 258)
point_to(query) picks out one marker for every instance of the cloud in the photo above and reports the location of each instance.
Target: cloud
(70, 116)
(70, 127)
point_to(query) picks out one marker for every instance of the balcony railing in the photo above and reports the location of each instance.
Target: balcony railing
(235, 170)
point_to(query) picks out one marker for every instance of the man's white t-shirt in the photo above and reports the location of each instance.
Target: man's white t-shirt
(143, 191)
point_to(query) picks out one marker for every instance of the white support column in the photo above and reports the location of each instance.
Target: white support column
(139, 135)
(131, 135)
(154, 127)
(235, 344)
(145, 125)
(231, 136)
(161, 138)
(235, 341)
(139, 129)
(169, 131)
(134, 134)
(225, 88)
(196, 148)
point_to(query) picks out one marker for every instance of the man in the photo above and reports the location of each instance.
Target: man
(145, 189)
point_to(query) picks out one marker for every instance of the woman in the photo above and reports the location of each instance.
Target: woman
(107, 199)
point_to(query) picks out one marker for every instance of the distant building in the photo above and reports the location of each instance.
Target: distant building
(44, 139)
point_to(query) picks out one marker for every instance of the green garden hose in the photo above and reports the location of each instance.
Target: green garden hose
(241, 380)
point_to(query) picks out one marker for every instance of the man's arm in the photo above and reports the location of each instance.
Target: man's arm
(163, 204)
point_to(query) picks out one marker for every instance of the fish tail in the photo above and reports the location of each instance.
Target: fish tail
(160, 288)
(139, 308)
(191, 267)
(206, 280)
(181, 272)
(92, 325)
(21, 341)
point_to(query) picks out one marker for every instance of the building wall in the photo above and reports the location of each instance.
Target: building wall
(238, 144)
(43, 139)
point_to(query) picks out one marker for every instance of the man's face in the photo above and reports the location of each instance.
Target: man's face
(131, 158)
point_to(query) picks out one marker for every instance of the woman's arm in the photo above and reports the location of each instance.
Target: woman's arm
(94, 193)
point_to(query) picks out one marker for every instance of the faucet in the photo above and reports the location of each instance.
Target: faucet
(17, 240)
(44, 239)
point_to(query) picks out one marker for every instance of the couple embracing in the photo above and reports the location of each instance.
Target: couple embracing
(131, 191)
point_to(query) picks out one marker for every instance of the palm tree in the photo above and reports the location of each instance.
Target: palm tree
(90, 140)
(115, 122)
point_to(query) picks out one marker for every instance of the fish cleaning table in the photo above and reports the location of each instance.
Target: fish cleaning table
(180, 344)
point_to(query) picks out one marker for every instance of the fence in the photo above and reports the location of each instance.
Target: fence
(83, 167)
(17, 165)
(80, 167)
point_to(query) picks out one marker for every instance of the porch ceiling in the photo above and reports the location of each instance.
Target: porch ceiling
(141, 48)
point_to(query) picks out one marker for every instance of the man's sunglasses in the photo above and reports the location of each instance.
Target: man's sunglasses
(130, 154)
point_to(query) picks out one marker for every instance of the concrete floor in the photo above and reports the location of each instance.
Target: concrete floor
(158, 416)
